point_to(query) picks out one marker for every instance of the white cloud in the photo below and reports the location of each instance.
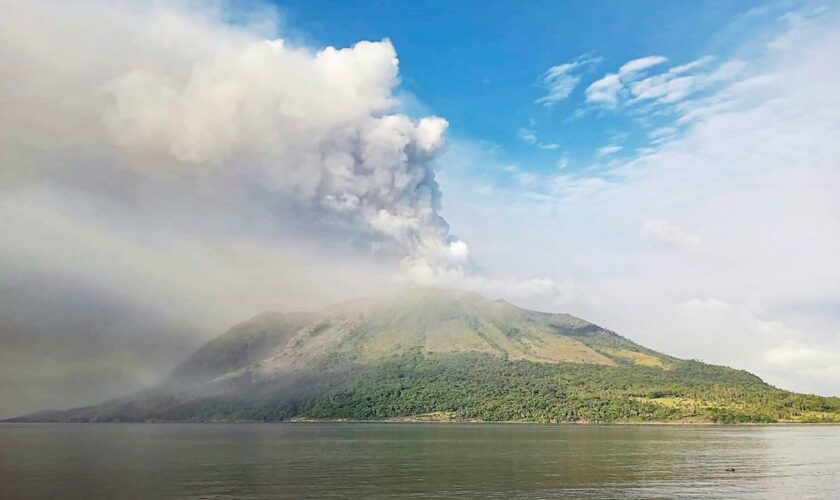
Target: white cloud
(180, 94)
(429, 133)
(748, 185)
(563, 162)
(607, 150)
(192, 106)
(662, 133)
(561, 80)
(527, 135)
(187, 122)
(807, 361)
(560, 84)
(667, 233)
(511, 288)
(631, 85)
(677, 84)
(636, 65)
(604, 91)
(793, 355)
(693, 65)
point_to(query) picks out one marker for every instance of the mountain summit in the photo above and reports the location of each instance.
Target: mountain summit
(422, 321)
(433, 354)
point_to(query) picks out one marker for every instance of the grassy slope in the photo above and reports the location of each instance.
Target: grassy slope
(242, 345)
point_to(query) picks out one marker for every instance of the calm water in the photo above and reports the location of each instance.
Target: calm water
(416, 460)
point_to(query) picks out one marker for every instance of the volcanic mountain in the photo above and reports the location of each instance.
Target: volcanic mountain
(431, 354)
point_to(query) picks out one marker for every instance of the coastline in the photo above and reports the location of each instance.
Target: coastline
(415, 420)
(678, 423)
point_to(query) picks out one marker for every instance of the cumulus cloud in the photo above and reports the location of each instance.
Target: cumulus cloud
(181, 97)
(310, 127)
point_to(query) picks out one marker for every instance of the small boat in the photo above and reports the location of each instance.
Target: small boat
(730, 469)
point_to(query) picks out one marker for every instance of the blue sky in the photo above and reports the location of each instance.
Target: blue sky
(482, 66)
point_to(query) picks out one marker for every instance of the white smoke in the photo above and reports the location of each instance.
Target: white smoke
(176, 93)
(183, 172)
(174, 106)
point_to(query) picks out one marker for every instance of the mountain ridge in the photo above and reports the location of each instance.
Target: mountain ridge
(451, 354)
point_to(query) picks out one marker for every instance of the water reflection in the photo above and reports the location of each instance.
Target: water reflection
(416, 460)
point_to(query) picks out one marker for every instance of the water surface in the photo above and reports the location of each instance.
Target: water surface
(416, 460)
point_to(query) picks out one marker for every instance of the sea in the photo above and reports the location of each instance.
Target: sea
(417, 460)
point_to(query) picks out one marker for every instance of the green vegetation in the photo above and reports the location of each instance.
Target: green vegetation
(488, 389)
(240, 346)
(485, 388)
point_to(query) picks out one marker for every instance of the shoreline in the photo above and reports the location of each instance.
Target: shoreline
(412, 420)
